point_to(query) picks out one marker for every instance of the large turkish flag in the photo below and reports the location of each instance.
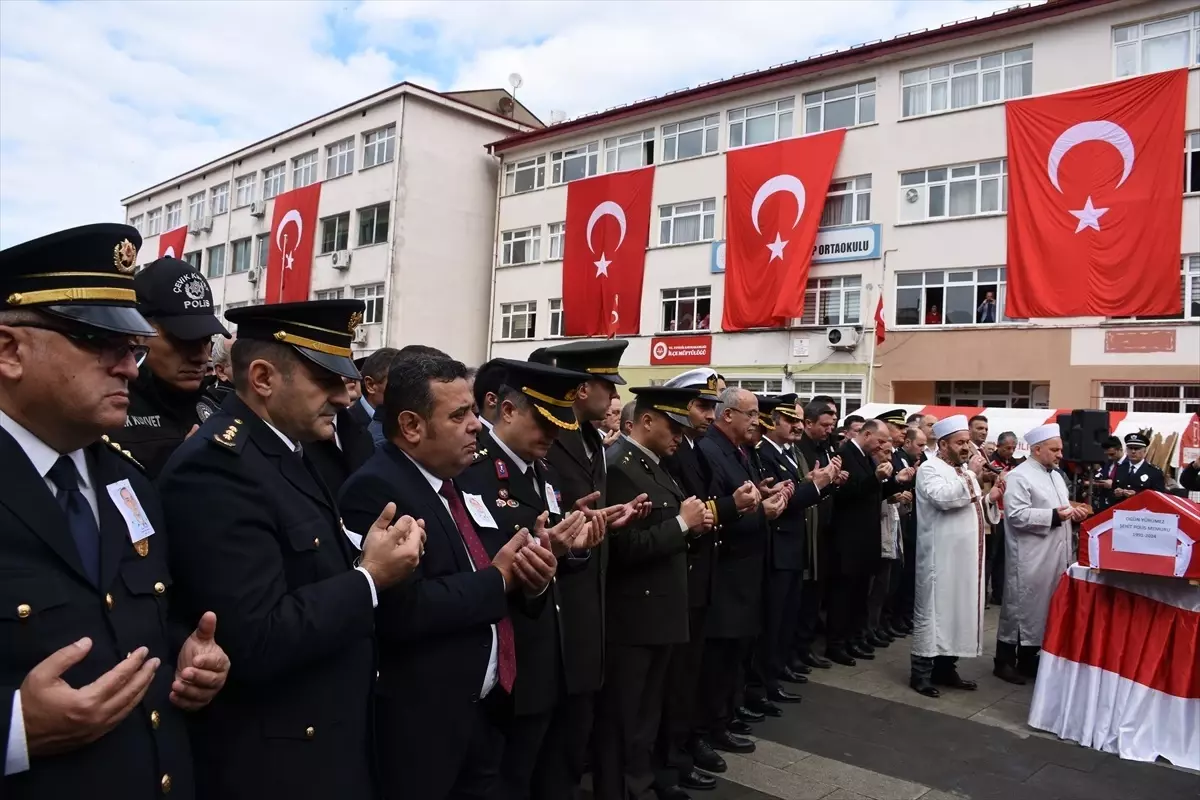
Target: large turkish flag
(608, 227)
(293, 234)
(172, 243)
(1096, 199)
(776, 195)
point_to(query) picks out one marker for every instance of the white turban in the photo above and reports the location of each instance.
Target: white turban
(1041, 433)
(949, 425)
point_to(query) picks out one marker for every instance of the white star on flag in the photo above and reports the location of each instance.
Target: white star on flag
(602, 266)
(1089, 216)
(776, 248)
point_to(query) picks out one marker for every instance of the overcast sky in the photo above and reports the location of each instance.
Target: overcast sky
(101, 99)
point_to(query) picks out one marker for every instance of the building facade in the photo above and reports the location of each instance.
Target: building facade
(406, 214)
(916, 212)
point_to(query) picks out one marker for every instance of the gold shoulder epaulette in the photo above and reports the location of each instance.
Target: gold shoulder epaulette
(125, 453)
(232, 438)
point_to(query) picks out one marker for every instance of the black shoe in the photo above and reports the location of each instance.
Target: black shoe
(891, 630)
(811, 659)
(952, 680)
(864, 645)
(749, 715)
(764, 706)
(792, 676)
(800, 668)
(783, 696)
(674, 792)
(1007, 672)
(906, 625)
(736, 726)
(875, 640)
(840, 656)
(705, 758)
(923, 686)
(698, 780)
(855, 651)
(731, 744)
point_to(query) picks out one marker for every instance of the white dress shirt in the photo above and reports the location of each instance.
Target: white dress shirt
(783, 453)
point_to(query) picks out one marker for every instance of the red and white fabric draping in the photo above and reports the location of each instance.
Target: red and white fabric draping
(1120, 666)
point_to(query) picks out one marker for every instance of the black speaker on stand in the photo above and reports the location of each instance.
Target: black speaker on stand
(1089, 429)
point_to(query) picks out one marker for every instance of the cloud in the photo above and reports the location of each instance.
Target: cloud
(101, 99)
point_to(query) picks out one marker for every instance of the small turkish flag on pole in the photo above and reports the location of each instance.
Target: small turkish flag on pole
(171, 243)
(293, 234)
(880, 327)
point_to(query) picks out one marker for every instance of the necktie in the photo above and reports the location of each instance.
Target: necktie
(504, 630)
(79, 515)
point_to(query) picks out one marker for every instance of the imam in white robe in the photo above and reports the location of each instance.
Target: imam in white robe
(1036, 552)
(952, 513)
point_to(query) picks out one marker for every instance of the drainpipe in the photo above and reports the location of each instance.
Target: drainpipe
(393, 226)
(495, 260)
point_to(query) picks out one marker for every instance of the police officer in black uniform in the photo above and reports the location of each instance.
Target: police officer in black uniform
(271, 557)
(92, 676)
(168, 399)
(1135, 474)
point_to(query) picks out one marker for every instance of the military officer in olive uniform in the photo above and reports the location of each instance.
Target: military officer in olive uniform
(647, 612)
(93, 679)
(1135, 474)
(169, 398)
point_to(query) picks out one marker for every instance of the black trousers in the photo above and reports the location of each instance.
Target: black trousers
(627, 720)
(902, 605)
(1024, 658)
(679, 718)
(564, 753)
(813, 597)
(523, 736)
(935, 667)
(721, 679)
(994, 551)
(881, 592)
(785, 593)
(847, 620)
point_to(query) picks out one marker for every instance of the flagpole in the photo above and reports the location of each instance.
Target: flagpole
(869, 395)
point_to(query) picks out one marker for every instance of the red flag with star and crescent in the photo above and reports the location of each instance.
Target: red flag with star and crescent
(171, 243)
(293, 237)
(608, 227)
(776, 196)
(1095, 209)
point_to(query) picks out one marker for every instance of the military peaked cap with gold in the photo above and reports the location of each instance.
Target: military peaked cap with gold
(787, 406)
(83, 275)
(766, 407)
(320, 330)
(702, 379)
(551, 390)
(669, 400)
(897, 417)
(600, 359)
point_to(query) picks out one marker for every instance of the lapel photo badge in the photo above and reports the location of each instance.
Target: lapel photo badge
(503, 493)
(136, 520)
(500, 502)
(513, 503)
(501, 469)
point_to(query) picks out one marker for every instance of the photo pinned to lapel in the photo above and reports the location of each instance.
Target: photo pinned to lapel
(501, 469)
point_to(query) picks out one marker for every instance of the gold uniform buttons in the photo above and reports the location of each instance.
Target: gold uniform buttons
(310, 732)
(23, 611)
(108, 601)
(166, 784)
(160, 587)
(155, 718)
(317, 541)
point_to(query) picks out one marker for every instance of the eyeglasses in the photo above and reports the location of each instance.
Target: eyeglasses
(111, 348)
(747, 413)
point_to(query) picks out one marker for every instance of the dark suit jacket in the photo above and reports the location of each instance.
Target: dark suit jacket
(856, 513)
(789, 531)
(736, 609)
(691, 471)
(1189, 479)
(582, 593)
(47, 601)
(815, 455)
(1146, 476)
(359, 414)
(256, 539)
(647, 577)
(434, 631)
(336, 464)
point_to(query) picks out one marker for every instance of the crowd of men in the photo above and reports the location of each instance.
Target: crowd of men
(305, 576)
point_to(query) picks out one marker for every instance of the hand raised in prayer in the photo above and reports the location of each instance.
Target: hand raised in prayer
(976, 464)
(905, 475)
(746, 498)
(884, 470)
(774, 505)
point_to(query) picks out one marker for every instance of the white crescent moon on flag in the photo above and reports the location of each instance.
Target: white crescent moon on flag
(780, 183)
(1092, 131)
(610, 209)
(291, 216)
(170, 252)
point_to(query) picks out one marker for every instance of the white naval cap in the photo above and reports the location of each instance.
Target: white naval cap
(949, 425)
(1041, 433)
(702, 378)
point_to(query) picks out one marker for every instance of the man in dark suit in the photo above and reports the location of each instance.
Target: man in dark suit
(1103, 479)
(93, 678)
(374, 369)
(447, 651)
(520, 489)
(911, 454)
(271, 557)
(1136, 474)
(647, 610)
(485, 386)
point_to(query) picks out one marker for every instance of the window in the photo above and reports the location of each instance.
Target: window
(219, 200)
(373, 224)
(174, 215)
(556, 318)
(962, 84)
(153, 222)
(946, 192)
(557, 234)
(833, 301)
(196, 208)
(520, 246)
(1160, 398)
(137, 222)
(524, 176)
(843, 107)
(571, 165)
(330, 294)
(985, 394)
(193, 258)
(273, 178)
(757, 385)
(848, 202)
(686, 309)
(379, 146)
(243, 191)
(518, 320)
(847, 393)
(684, 223)
(262, 249)
(1157, 45)
(629, 152)
(1191, 163)
(373, 296)
(339, 158)
(691, 138)
(951, 297)
(1189, 290)
(763, 123)
(304, 170)
(335, 233)
(241, 256)
(216, 261)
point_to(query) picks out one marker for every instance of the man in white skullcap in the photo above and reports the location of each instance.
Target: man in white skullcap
(952, 514)
(1037, 521)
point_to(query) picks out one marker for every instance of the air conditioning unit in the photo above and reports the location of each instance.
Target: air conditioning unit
(252, 274)
(360, 335)
(842, 338)
(196, 227)
(341, 259)
(258, 208)
(206, 225)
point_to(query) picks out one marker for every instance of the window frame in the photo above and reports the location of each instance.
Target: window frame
(386, 137)
(219, 199)
(195, 259)
(556, 237)
(961, 393)
(1191, 27)
(239, 184)
(856, 188)
(137, 221)
(509, 312)
(376, 219)
(510, 238)
(589, 152)
(371, 294)
(330, 294)
(154, 218)
(740, 116)
(173, 215)
(335, 154)
(841, 396)
(848, 289)
(1191, 163)
(512, 168)
(1189, 268)
(669, 214)
(218, 249)
(818, 100)
(274, 177)
(304, 166)
(1001, 291)
(237, 246)
(197, 203)
(947, 76)
(1121, 402)
(338, 234)
(947, 182)
(641, 141)
(262, 250)
(555, 318)
(673, 131)
(677, 299)
(770, 384)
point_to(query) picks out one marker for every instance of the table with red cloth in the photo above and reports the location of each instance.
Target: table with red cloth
(1120, 665)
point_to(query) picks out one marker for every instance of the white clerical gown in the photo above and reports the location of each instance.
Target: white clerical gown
(951, 515)
(1035, 552)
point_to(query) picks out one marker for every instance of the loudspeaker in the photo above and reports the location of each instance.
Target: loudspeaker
(1083, 434)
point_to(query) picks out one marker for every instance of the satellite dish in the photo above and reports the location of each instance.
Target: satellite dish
(516, 81)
